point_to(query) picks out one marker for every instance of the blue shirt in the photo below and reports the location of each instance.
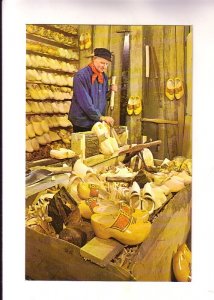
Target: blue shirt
(89, 100)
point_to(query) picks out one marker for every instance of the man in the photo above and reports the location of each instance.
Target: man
(90, 90)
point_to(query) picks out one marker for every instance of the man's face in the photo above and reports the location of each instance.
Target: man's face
(100, 64)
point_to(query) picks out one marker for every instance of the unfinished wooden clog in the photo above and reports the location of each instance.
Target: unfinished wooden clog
(148, 157)
(81, 169)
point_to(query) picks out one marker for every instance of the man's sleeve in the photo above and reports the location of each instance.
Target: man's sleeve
(84, 99)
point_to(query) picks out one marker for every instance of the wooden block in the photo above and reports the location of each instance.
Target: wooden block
(85, 144)
(101, 251)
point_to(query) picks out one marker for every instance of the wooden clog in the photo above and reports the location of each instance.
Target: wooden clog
(137, 105)
(179, 88)
(170, 89)
(130, 106)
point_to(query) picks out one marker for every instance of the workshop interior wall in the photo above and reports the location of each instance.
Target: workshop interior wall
(169, 58)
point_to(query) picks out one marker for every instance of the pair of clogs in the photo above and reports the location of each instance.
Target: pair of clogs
(134, 105)
(174, 88)
(182, 264)
(107, 144)
(120, 221)
(152, 193)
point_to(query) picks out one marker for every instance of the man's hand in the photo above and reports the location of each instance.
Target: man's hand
(108, 120)
(113, 87)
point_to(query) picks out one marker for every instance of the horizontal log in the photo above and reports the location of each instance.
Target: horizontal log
(160, 121)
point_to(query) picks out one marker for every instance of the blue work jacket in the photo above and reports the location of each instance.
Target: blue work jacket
(89, 100)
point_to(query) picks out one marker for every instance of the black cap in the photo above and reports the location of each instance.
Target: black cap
(102, 52)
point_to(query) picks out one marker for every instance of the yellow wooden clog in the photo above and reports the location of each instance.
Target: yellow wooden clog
(137, 105)
(125, 228)
(179, 88)
(182, 264)
(87, 190)
(87, 40)
(130, 106)
(86, 207)
(170, 89)
(81, 41)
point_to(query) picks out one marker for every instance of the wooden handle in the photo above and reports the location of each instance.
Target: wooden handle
(140, 147)
(113, 80)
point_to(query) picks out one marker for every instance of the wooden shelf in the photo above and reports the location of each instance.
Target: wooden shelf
(44, 40)
(51, 27)
(51, 70)
(46, 113)
(47, 100)
(39, 82)
(52, 56)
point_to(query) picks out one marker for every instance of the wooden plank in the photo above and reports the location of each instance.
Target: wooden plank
(46, 184)
(49, 258)
(160, 121)
(187, 145)
(170, 105)
(135, 81)
(180, 49)
(101, 36)
(189, 74)
(153, 262)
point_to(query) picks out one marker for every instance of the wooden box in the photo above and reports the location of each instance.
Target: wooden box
(48, 258)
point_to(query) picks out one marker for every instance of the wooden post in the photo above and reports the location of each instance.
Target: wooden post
(187, 145)
(180, 47)
(170, 105)
(153, 88)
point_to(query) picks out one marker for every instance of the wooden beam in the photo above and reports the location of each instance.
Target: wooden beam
(135, 81)
(170, 105)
